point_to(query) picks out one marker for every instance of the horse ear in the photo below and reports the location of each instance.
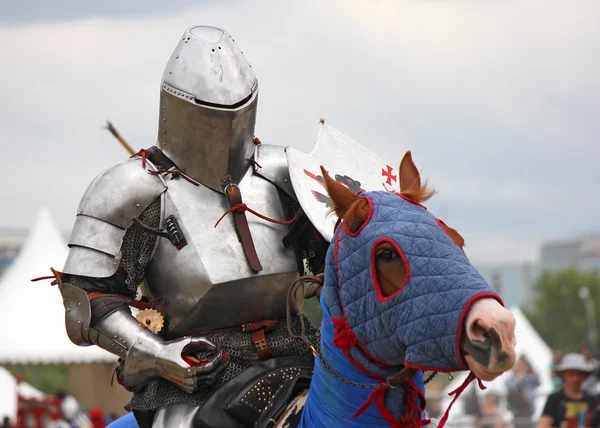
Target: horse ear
(340, 195)
(453, 234)
(410, 180)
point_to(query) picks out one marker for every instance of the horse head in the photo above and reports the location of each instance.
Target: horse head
(401, 291)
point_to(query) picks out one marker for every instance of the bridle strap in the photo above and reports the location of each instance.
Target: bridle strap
(291, 300)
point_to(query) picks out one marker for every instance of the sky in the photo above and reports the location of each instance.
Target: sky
(497, 100)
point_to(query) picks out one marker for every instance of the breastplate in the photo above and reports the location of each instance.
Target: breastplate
(208, 284)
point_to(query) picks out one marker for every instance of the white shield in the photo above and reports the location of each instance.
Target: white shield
(347, 162)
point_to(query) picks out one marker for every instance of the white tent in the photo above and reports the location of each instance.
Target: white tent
(9, 390)
(32, 320)
(8, 395)
(539, 356)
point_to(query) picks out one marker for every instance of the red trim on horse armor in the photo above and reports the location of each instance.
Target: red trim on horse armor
(406, 198)
(364, 224)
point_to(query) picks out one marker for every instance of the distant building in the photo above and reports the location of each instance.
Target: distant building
(513, 282)
(582, 253)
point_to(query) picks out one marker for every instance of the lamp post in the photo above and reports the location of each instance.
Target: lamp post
(584, 294)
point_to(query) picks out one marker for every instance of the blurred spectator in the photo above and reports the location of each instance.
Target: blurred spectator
(570, 406)
(585, 351)
(97, 417)
(472, 407)
(434, 395)
(556, 356)
(71, 415)
(5, 422)
(592, 384)
(521, 392)
(489, 413)
(595, 422)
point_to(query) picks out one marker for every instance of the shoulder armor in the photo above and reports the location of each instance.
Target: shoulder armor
(273, 166)
(105, 212)
(121, 193)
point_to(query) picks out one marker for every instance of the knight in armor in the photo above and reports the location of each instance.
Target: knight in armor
(206, 223)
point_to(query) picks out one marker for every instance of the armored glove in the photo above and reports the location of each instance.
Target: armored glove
(189, 362)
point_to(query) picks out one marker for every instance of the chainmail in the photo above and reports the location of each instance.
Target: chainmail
(313, 250)
(138, 245)
(241, 354)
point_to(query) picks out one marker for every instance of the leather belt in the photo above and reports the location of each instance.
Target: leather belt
(234, 197)
(257, 328)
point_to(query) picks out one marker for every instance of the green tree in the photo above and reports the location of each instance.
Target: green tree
(46, 378)
(558, 313)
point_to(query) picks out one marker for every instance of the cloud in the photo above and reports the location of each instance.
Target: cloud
(497, 101)
(15, 12)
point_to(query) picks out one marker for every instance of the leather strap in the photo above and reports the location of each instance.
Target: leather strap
(157, 157)
(138, 304)
(257, 328)
(260, 342)
(234, 197)
(251, 326)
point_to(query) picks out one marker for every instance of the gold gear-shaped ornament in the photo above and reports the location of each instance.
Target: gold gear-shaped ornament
(151, 319)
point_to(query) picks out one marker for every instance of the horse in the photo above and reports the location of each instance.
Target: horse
(399, 298)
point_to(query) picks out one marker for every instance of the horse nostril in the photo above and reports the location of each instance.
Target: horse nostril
(502, 358)
(478, 332)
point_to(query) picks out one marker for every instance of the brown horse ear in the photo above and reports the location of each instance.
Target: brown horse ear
(410, 180)
(453, 234)
(340, 195)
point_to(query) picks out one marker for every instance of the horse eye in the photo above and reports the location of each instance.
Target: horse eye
(386, 254)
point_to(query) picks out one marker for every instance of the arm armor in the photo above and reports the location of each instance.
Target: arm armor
(105, 214)
(118, 332)
(115, 332)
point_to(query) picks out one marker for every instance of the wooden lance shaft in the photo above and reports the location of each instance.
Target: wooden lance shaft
(124, 143)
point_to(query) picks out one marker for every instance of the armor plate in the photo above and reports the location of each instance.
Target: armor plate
(272, 164)
(208, 284)
(106, 210)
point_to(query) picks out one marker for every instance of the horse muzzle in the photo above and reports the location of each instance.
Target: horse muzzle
(488, 340)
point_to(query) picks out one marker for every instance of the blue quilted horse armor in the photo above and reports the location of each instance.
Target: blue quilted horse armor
(419, 326)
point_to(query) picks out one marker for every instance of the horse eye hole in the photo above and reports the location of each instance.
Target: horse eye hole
(386, 254)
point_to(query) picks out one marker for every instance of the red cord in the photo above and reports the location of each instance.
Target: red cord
(174, 174)
(457, 393)
(144, 154)
(243, 207)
